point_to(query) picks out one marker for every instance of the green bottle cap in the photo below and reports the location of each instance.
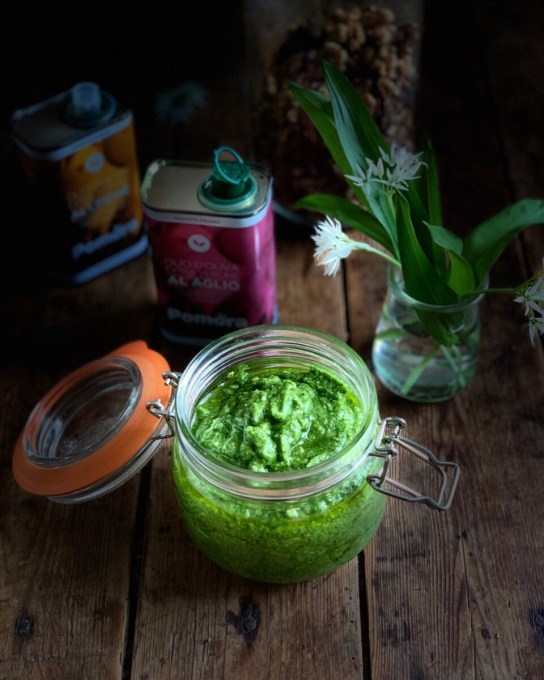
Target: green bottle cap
(231, 186)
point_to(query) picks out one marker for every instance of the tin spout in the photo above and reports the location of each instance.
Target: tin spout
(229, 177)
(86, 100)
(231, 185)
(87, 106)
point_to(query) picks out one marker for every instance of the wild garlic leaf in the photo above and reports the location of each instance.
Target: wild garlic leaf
(485, 243)
(319, 110)
(460, 275)
(357, 130)
(445, 238)
(348, 213)
(419, 216)
(427, 186)
(419, 274)
(382, 207)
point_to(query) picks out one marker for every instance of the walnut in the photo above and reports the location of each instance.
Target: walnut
(376, 55)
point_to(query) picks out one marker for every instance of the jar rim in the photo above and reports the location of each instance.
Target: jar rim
(90, 432)
(278, 343)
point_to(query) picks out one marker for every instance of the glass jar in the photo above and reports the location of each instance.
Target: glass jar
(376, 45)
(91, 432)
(286, 526)
(98, 426)
(409, 361)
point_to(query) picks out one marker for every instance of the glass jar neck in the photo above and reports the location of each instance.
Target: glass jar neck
(268, 347)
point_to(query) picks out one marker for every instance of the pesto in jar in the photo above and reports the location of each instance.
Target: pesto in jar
(273, 420)
(277, 419)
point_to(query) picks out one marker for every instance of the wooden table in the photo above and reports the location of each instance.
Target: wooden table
(115, 589)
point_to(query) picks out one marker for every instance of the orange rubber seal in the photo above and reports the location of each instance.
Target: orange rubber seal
(117, 451)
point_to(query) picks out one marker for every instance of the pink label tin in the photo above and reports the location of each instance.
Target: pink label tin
(211, 231)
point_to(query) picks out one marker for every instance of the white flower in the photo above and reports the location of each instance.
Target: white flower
(363, 179)
(393, 170)
(405, 166)
(332, 245)
(531, 296)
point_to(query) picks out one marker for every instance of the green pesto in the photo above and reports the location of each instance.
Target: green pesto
(277, 419)
(307, 416)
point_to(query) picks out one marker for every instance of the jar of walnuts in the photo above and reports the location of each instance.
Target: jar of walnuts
(375, 45)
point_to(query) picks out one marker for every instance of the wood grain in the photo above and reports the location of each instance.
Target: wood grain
(115, 590)
(66, 569)
(444, 599)
(195, 620)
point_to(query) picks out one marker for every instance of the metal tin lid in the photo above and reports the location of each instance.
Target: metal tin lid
(59, 126)
(92, 431)
(170, 191)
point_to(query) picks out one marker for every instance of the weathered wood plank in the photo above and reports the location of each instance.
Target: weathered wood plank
(464, 601)
(450, 595)
(66, 570)
(512, 38)
(64, 584)
(459, 594)
(195, 620)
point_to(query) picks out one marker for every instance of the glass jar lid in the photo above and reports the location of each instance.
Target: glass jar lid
(92, 431)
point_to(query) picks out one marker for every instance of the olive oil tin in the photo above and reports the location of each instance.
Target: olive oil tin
(211, 231)
(78, 153)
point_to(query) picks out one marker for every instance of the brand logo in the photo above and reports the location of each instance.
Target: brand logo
(199, 243)
(94, 163)
(219, 320)
(118, 232)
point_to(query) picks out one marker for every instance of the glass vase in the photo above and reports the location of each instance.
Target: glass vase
(409, 361)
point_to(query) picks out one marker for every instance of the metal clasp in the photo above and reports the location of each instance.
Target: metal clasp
(388, 445)
(157, 408)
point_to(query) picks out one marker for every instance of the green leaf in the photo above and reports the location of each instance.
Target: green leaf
(421, 280)
(318, 108)
(486, 242)
(424, 200)
(382, 207)
(419, 216)
(460, 275)
(458, 272)
(351, 134)
(357, 130)
(420, 276)
(391, 334)
(428, 187)
(445, 238)
(348, 213)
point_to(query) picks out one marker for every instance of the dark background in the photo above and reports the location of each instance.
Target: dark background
(138, 52)
(133, 51)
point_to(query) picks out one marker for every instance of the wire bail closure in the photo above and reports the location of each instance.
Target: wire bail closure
(389, 444)
(157, 409)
